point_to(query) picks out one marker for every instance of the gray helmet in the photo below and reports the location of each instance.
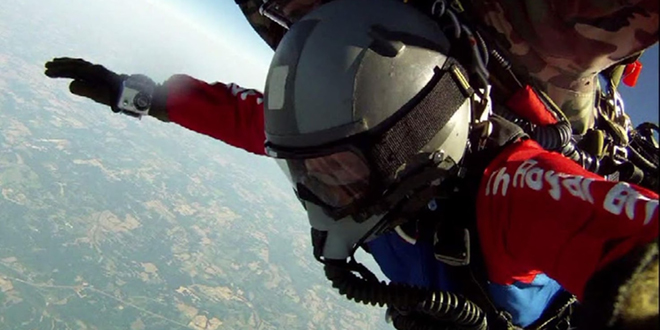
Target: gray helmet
(359, 97)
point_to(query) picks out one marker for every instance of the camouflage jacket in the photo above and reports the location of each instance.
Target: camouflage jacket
(562, 44)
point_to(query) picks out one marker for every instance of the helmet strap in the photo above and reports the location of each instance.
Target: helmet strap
(415, 128)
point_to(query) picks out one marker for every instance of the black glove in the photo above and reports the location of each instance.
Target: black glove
(89, 80)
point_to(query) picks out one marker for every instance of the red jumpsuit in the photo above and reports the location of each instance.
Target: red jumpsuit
(537, 211)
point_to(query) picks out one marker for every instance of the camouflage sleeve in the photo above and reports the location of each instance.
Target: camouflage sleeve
(268, 30)
(564, 44)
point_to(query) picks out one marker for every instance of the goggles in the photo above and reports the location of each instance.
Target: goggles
(338, 179)
(344, 182)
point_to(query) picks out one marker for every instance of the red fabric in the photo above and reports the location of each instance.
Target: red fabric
(228, 113)
(526, 104)
(631, 73)
(539, 211)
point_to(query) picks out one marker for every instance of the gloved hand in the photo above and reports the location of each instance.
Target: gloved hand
(89, 80)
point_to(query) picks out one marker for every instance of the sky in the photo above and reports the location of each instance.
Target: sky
(224, 17)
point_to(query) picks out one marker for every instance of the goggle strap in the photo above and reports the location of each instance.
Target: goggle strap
(421, 123)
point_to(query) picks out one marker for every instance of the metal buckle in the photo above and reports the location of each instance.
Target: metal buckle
(484, 129)
(452, 258)
(618, 154)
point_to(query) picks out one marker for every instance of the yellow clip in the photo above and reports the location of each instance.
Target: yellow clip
(458, 7)
(461, 79)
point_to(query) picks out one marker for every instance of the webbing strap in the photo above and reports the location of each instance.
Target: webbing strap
(423, 121)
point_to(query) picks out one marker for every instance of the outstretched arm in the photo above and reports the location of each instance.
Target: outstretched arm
(225, 112)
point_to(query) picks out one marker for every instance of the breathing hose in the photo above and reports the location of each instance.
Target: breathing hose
(558, 137)
(553, 137)
(444, 306)
(584, 159)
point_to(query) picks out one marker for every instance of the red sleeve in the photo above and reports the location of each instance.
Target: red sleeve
(228, 113)
(538, 211)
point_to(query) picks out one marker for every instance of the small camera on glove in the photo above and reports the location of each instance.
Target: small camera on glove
(135, 97)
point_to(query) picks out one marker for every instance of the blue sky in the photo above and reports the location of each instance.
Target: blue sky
(224, 17)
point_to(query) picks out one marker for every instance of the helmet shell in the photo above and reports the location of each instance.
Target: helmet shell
(332, 77)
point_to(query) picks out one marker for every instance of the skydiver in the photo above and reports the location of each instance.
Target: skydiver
(443, 197)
